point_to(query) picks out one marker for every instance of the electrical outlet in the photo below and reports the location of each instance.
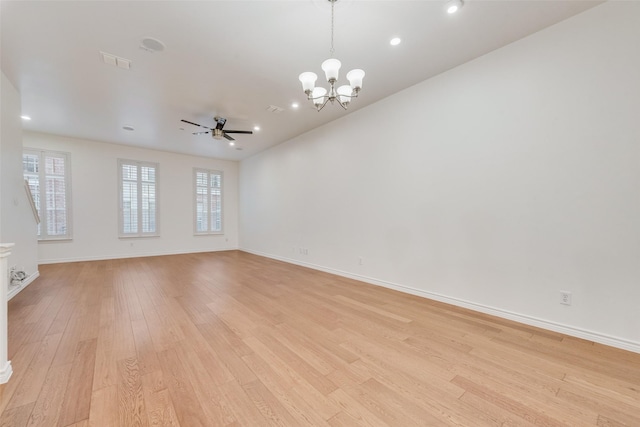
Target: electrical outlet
(565, 297)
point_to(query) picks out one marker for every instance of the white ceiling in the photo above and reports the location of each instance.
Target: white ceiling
(234, 59)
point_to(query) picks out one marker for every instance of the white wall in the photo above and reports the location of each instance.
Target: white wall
(492, 186)
(94, 186)
(17, 223)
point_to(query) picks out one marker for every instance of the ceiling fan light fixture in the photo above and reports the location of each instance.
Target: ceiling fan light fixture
(217, 134)
(453, 6)
(331, 67)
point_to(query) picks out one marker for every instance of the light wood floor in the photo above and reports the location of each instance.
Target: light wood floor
(230, 339)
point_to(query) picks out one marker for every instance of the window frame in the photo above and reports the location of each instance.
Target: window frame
(139, 234)
(43, 235)
(209, 172)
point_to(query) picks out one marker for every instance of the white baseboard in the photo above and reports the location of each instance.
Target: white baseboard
(26, 282)
(130, 255)
(505, 314)
(5, 372)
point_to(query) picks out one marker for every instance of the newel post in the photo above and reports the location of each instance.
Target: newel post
(5, 365)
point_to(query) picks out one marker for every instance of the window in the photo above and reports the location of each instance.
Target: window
(208, 201)
(48, 175)
(138, 184)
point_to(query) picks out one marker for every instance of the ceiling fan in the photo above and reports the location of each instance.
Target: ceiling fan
(217, 132)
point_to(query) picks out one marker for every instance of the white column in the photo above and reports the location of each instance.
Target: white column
(5, 365)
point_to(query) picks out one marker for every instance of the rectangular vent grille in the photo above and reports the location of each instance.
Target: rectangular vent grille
(275, 109)
(110, 59)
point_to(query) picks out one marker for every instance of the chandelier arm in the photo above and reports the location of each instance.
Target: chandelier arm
(323, 104)
(348, 96)
(318, 97)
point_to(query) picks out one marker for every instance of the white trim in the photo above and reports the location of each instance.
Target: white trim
(505, 314)
(5, 372)
(26, 282)
(134, 255)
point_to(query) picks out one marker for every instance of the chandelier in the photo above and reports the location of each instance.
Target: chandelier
(343, 94)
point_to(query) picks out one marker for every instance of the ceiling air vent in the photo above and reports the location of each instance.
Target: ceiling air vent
(275, 109)
(110, 59)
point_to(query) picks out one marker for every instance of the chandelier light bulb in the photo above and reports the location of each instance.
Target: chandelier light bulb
(344, 93)
(355, 78)
(308, 80)
(318, 95)
(331, 67)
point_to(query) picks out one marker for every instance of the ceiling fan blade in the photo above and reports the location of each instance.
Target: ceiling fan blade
(239, 131)
(201, 133)
(195, 124)
(228, 137)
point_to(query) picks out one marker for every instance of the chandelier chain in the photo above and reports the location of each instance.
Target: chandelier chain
(332, 50)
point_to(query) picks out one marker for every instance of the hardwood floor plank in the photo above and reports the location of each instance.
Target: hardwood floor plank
(20, 365)
(131, 411)
(77, 397)
(270, 408)
(145, 353)
(298, 408)
(188, 409)
(157, 401)
(510, 403)
(353, 410)
(49, 406)
(297, 363)
(208, 394)
(104, 407)
(35, 374)
(16, 417)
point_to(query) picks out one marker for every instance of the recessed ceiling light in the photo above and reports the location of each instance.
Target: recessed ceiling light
(128, 127)
(27, 118)
(151, 45)
(295, 105)
(232, 143)
(256, 128)
(453, 6)
(395, 41)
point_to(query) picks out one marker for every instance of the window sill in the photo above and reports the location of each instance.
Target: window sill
(145, 236)
(54, 240)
